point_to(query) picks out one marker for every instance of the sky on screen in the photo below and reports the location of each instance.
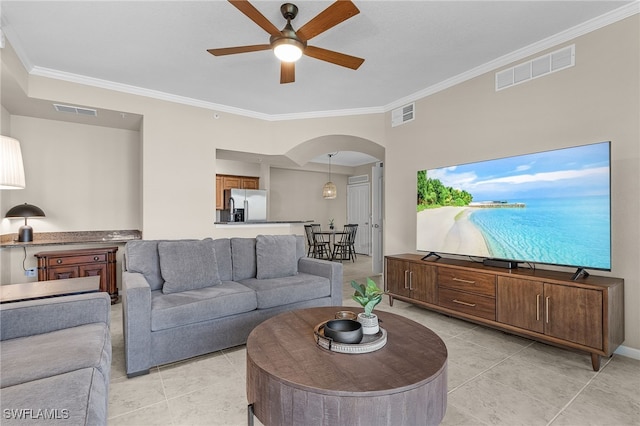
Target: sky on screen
(571, 172)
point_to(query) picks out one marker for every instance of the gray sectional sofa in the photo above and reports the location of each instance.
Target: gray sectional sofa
(183, 298)
(55, 360)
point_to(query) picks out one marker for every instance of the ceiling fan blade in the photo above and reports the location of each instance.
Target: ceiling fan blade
(338, 12)
(337, 58)
(252, 13)
(287, 72)
(239, 49)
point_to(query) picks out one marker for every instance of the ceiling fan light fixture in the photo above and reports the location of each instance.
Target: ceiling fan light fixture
(287, 49)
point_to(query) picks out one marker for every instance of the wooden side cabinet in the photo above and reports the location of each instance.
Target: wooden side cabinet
(56, 265)
(548, 306)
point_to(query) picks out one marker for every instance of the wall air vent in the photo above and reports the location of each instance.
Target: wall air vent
(76, 110)
(403, 114)
(352, 180)
(542, 65)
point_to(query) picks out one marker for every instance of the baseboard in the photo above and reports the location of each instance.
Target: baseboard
(628, 352)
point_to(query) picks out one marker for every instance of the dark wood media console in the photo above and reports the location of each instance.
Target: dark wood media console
(543, 305)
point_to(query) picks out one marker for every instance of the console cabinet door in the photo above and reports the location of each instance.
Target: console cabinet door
(422, 282)
(564, 312)
(91, 270)
(397, 279)
(573, 314)
(520, 303)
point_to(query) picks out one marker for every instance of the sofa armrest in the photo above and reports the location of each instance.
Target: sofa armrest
(136, 323)
(40, 316)
(327, 269)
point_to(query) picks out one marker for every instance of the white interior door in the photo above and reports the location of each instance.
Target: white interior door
(377, 179)
(358, 211)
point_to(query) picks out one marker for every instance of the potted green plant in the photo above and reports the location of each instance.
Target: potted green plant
(331, 224)
(368, 296)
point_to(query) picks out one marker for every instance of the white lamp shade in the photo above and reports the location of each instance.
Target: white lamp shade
(11, 168)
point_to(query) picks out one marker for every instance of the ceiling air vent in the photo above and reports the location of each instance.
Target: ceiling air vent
(403, 114)
(76, 110)
(542, 65)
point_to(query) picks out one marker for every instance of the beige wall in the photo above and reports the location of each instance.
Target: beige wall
(83, 177)
(297, 195)
(597, 100)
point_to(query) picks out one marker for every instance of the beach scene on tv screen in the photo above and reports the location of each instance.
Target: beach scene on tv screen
(550, 207)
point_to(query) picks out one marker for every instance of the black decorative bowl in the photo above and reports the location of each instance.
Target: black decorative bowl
(343, 331)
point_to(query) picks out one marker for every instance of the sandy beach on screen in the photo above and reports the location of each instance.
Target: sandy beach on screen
(455, 234)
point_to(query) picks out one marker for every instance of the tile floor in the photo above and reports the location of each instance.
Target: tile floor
(494, 379)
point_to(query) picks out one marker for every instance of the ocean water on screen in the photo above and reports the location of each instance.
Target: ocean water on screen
(562, 231)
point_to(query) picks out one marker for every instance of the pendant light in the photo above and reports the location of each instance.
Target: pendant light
(329, 190)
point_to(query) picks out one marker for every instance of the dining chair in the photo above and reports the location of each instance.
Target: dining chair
(308, 231)
(320, 244)
(345, 248)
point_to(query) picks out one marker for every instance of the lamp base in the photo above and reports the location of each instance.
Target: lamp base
(25, 234)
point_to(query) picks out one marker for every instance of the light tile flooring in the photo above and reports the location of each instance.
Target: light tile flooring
(494, 379)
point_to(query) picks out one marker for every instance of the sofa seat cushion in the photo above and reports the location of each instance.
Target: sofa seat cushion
(286, 290)
(193, 306)
(38, 356)
(75, 398)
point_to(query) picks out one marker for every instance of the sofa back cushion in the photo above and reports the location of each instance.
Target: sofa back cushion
(142, 257)
(243, 257)
(276, 256)
(188, 265)
(222, 246)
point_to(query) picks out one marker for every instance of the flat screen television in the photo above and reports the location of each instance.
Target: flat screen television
(551, 207)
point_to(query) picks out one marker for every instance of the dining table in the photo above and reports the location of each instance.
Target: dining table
(332, 239)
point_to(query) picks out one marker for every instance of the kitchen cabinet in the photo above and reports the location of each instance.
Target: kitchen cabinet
(230, 182)
(548, 306)
(55, 265)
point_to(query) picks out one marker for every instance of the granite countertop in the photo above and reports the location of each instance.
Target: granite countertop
(265, 222)
(74, 237)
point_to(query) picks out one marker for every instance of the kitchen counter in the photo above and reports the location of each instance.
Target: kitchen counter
(252, 229)
(75, 237)
(266, 222)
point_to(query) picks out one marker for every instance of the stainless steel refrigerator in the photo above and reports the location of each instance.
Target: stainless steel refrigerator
(246, 205)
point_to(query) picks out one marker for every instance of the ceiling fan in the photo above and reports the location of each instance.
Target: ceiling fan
(289, 45)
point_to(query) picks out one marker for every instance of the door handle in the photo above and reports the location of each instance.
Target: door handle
(547, 308)
(376, 226)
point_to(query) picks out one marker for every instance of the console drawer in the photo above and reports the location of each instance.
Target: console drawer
(75, 260)
(472, 304)
(470, 281)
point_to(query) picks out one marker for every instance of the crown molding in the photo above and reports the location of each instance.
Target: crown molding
(562, 37)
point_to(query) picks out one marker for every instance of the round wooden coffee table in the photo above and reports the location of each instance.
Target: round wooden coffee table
(293, 381)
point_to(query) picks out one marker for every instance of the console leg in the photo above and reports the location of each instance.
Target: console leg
(250, 414)
(390, 300)
(595, 362)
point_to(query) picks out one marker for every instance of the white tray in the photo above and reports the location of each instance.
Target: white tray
(369, 343)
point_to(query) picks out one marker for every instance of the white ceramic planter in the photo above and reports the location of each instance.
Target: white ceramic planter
(369, 323)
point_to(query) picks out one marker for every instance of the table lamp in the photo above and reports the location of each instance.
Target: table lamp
(25, 234)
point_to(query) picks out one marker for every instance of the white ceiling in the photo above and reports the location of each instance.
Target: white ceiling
(159, 48)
